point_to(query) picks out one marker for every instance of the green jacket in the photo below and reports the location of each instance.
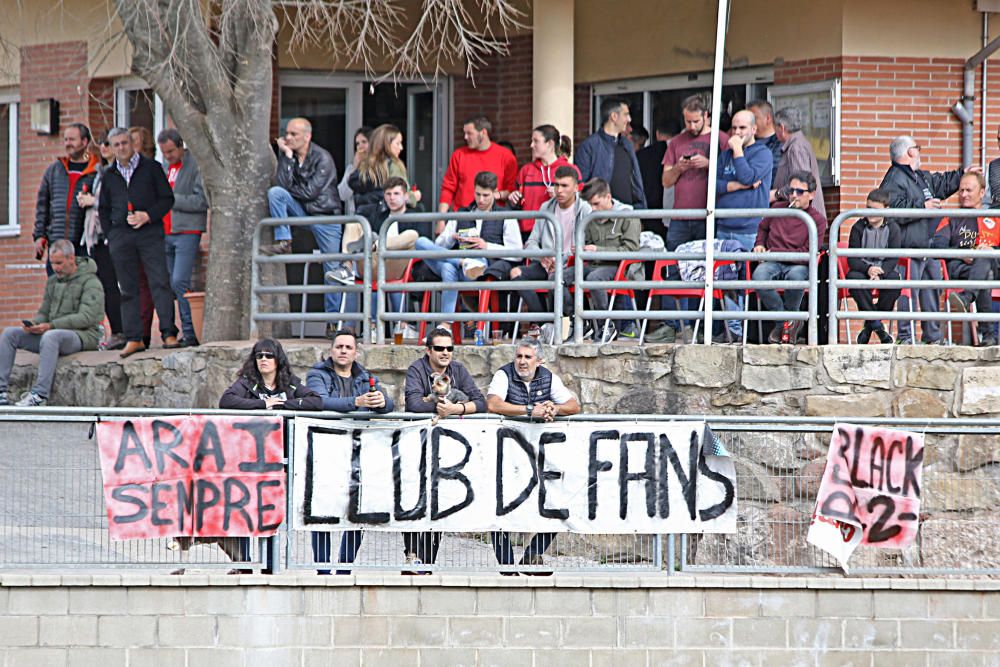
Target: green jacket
(75, 303)
(614, 234)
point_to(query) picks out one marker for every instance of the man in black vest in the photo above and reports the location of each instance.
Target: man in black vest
(525, 388)
(470, 235)
(134, 198)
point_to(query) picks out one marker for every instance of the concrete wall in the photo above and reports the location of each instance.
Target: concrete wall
(306, 621)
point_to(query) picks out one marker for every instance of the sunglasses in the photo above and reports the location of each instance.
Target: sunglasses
(264, 355)
(797, 191)
(443, 348)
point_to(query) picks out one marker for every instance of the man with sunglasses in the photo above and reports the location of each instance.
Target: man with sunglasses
(787, 234)
(422, 547)
(910, 186)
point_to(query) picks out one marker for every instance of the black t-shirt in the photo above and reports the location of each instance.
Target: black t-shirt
(345, 386)
(621, 177)
(77, 166)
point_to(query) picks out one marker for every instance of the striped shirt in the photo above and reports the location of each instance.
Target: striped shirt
(127, 170)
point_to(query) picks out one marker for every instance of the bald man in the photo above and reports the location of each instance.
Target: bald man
(307, 185)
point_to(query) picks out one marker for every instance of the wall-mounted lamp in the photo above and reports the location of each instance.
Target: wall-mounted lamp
(45, 116)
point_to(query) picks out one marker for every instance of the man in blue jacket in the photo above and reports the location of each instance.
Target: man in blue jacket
(345, 386)
(744, 181)
(609, 154)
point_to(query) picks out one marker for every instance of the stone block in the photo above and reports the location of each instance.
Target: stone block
(975, 451)
(726, 603)
(785, 603)
(978, 490)
(869, 366)
(273, 600)
(779, 658)
(215, 600)
(940, 376)
(19, 630)
(977, 635)
(339, 600)
(157, 657)
(324, 657)
(273, 657)
(562, 602)
(590, 632)
(360, 631)
(847, 658)
(759, 632)
(126, 631)
(756, 482)
(918, 634)
(36, 657)
(392, 601)
(532, 632)
(475, 631)
(900, 604)
(704, 632)
(454, 657)
(851, 405)
(814, 634)
(956, 605)
(677, 603)
(98, 601)
(447, 601)
(97, 657)
(562, 658)
(390, 657)
(979, 393)
(620, 603)
(676, 658)
(618, 658)
(266, 631)
(418, 631)
(705, 366)
(36, 601)
(730, 658)
(919, 403)
(929, 353)
(78, 630)
(505, 601)
(187, 630)
(867, 633)
(217, 657)
(504, 657)
(148, 600)
(772, 379)
(852, 604)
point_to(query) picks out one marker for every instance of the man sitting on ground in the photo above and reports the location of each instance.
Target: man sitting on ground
(875, 233)
(609, 235)
(69, 320)
(525, 388)
(787, 234)
(345, 386)
(975, 234)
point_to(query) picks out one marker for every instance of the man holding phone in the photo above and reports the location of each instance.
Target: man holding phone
(69, 320)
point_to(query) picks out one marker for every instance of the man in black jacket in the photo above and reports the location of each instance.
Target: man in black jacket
(307, 185)
(135, 196)
(911, 187)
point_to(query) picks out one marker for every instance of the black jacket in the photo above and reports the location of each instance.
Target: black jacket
(51, 219)
(148, 191)
(313, 183)
(245, 395)
(418, 385)
(378, 213)
(888, 264)
(907, 188)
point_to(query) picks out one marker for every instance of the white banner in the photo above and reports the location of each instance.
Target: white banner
(481, 475)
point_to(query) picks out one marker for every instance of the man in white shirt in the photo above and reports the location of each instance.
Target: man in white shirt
(469, 234)
(525, 388)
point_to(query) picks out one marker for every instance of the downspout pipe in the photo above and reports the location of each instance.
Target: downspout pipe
(963, 109)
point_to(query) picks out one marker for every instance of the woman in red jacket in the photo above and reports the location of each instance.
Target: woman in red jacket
(533, 187)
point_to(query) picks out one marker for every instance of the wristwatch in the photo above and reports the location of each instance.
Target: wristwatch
(527, 410)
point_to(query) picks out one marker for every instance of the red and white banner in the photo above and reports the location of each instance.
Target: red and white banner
(870, 492)
(196, 476)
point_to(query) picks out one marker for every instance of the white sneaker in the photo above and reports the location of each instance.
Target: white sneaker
(342, 274)
(30, 400)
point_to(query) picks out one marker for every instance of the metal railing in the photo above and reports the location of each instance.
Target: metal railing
(709, 285)
(52, 511)
(386, 288)
(837, 283)
(362, 316)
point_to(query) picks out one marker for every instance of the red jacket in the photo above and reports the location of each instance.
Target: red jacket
(533, 182)
(458, 187)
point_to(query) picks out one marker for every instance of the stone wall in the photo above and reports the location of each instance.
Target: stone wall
(309, 621)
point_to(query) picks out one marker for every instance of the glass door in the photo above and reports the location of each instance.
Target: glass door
(420, 141)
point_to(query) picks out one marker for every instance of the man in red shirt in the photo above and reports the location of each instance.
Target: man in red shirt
(458, 188)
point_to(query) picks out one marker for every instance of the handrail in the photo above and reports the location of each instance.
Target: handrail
(837, 283)
(708, 286)
(256, 289)
(554, 284)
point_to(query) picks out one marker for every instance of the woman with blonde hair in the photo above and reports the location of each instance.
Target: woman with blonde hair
(142, 141)
(380, 163)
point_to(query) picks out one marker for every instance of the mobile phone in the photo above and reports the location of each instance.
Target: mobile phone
(688, 157)
(27, 323)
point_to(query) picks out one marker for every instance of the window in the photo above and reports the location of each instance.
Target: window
(8, 166)
(819, 104)
(137, 105)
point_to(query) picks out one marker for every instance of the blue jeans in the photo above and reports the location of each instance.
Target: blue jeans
(769, 298)
(922, 269)
(729, 302)
(283, 205)
(350, 544)
(450, 270)
(182, 250)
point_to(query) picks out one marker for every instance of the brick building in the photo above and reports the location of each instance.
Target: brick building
(864, 72)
